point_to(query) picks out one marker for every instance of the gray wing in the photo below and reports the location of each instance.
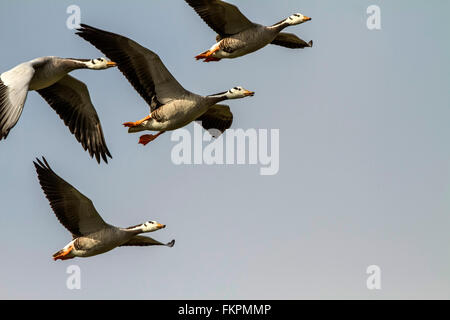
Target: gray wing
(218, 117)
(70, 99)
(142, 67)
(290, 40)
(224, 18)
(146, 241)
(75, 211)
(13, 93)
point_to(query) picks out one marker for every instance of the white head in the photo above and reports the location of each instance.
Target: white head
(99, 64)
(297, 18)
(151, 226)
(238, 92)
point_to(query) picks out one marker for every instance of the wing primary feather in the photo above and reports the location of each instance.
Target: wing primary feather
(224, 18)
(142, 67)
(70, 98)
(73, 210)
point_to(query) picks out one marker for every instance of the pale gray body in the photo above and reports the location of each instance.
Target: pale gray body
(245, 42)
(102, 241)
(49, 70)
(107, 239)
(178, 113)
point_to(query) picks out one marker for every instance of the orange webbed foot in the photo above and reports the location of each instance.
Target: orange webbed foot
(129, 124)
(207, 54)
(62, 254)
(146, 138)
(203, 55)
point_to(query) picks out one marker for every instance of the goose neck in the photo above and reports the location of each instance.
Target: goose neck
(278, 27)
(216, 98)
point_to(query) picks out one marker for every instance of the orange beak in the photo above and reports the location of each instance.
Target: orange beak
(307, 18)
(111, 64)
(161, 226)
(249, 93)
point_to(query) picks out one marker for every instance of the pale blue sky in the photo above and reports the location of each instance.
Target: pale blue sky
(364, 158)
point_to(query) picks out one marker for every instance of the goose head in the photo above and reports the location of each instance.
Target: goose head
(297, 18)
(99, 64)
(238, 93)
(151, 226)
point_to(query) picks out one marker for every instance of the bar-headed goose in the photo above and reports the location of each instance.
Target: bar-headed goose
(91, 235)
(238, 36)
(68, 96)
(171, 106)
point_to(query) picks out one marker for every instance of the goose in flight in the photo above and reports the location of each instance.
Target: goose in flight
(171, 106)
(68, 96)
(238, 36)
(91, 235)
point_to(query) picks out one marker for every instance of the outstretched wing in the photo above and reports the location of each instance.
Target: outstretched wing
(290, 40)
(143, 241)
(70, 99)
(216, 120)
(224, 18)
(142, 67)
(13, 93)
(75, 211)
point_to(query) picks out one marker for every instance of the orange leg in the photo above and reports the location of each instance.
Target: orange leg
(146, 138)
(137, 123)
(61, 255)
(207, 54)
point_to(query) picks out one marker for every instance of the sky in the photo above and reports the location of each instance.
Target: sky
(363, 158)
